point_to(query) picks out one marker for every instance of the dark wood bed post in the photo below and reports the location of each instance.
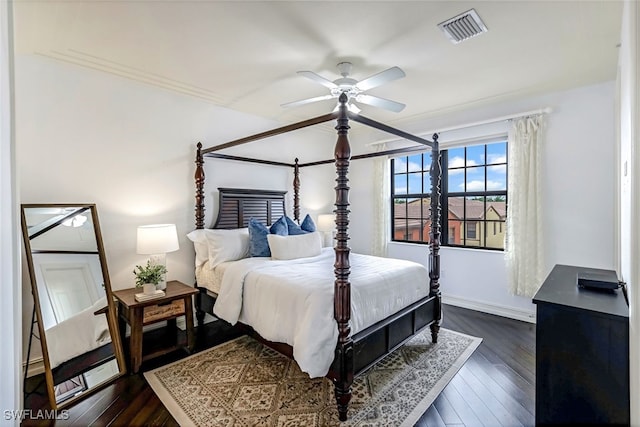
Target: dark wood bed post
(296, 191)
(199, 177)
(342, 287)
(434, 237)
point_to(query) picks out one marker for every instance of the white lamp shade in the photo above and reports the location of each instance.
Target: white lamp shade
(326, 222)
(157, 239)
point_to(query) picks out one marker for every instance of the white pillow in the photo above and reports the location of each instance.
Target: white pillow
(199, 239)
(218, 246)
(227, 245)
(296, 246)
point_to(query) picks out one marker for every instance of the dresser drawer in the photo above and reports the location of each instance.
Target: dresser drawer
(154, 313)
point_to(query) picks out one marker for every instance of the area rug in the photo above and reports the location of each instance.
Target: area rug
(244, 383)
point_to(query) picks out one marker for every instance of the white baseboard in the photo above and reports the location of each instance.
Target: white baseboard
(498, 310)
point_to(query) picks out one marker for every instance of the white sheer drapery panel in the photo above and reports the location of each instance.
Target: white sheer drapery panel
(381, 211)
(523, 243)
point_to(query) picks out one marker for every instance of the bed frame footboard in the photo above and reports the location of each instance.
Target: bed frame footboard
(374, 343)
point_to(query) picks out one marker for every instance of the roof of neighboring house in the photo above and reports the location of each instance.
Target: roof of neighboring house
(475, 208)
(500, 208)
(412, 212)
(475, 211)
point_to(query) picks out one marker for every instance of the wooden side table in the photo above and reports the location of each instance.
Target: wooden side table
(176, 302)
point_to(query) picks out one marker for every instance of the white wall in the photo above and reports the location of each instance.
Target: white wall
(626, 168)
(629, 185)
(85, 136)
(578, 196)
(10, 303)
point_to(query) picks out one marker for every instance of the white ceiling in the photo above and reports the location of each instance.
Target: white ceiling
(244, 55)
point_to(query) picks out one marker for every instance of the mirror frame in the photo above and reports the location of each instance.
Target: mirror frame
(112, 319)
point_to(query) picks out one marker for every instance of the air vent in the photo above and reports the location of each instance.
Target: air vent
(463, 26)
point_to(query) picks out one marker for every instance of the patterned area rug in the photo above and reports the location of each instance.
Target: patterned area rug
(243, 383)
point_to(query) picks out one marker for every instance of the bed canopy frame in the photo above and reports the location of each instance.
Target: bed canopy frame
(356, 353)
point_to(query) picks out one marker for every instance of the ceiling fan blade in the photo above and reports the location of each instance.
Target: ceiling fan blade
(382, 77)
(353, 108)
(318, 79)
(380, 102)
(306, 101)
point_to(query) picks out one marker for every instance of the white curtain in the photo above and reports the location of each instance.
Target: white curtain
(523, 245)
(381, 208)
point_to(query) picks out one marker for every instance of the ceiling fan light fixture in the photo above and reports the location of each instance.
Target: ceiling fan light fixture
(76, 221)
(353, 88)
(344, 68)
(463, 27)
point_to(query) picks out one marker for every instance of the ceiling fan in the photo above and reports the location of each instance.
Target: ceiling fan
(354, 89)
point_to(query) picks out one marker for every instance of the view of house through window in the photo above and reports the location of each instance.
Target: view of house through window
(474, 192)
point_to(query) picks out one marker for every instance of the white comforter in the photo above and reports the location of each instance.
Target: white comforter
(292, 301)
(78, 334)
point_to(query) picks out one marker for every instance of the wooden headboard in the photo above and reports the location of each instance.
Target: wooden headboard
(237, 205)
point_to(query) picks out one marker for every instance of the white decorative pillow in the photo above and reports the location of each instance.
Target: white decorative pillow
(227, 245)
(221, 245)
(293, 247)
(199, 239)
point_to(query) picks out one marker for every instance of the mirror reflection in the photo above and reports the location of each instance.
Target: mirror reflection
(71, 290)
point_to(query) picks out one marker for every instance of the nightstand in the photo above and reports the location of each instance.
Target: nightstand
(176, 302)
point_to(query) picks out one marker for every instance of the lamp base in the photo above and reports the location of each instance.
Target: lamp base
(328, 239)
(160, 259)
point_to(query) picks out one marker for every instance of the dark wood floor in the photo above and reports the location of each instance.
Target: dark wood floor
(496, 386)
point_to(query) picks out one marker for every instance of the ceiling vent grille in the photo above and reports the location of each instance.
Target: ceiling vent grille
(463, 26)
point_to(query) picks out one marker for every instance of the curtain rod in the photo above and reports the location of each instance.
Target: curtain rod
(545, 110)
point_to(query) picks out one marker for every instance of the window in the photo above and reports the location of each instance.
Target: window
(411, 188)
(471, 230)
(474, 191)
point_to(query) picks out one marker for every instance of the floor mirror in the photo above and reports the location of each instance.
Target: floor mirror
(74, 310)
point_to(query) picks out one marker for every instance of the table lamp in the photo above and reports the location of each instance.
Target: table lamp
(156, 240)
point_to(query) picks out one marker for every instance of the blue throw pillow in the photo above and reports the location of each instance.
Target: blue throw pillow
(280, 227)
(308, 225)
(258, 243)
(294, 229)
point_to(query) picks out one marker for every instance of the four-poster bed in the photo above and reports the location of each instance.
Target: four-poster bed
(353, 352)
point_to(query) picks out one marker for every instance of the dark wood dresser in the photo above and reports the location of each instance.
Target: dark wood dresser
(582, 352)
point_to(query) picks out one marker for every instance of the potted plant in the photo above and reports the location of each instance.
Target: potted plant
(150, 273)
